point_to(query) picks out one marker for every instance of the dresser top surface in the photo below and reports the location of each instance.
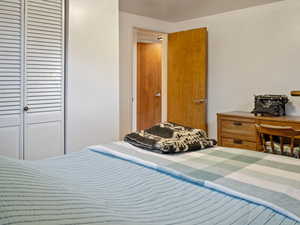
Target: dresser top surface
(243, 114)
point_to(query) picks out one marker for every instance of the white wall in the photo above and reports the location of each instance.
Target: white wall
(251, 51)
(93, 79)
(127, 23)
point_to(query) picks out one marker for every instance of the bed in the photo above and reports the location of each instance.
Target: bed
(119, 184)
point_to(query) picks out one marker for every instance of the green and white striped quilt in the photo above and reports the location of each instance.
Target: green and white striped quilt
(117, 185)
(273, 178)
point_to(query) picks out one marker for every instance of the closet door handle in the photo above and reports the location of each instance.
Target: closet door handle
(26, 108)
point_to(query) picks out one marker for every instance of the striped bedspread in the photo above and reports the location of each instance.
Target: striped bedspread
(107, 185)
(273, 178)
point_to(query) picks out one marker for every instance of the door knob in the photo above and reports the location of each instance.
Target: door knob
(199, 101)
(26, 108)
(157, 94)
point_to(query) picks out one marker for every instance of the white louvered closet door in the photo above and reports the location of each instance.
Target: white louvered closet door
(11, 119)
(44, 79)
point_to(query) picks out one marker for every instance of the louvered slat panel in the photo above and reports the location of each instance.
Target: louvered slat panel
(7, 81)
(37, 102)
(43, 98)
(5, 104)
(5, 100)
(10, 38)
(7, 57)
(8, 31)
(10, 93)
(10, 5)
(42, 34)
(44, 56)
(45, 78)
(44, 85)
(46, 52)
(38, 95)
(43, 90)
(10, 54)
(11, 86)
(9, 112)
(44, 71)
(10, 57)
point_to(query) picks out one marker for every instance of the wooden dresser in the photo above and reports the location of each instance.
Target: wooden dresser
(237, 129)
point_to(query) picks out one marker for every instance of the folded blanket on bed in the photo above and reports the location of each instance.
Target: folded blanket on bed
(170, 138)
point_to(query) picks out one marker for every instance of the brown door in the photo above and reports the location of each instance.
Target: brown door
(187, 78)
(149, 84)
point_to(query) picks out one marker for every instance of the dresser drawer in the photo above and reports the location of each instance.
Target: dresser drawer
(238, 143)
(244, 130)
(237, 129)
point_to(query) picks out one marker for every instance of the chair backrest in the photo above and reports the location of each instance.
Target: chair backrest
(278, 131)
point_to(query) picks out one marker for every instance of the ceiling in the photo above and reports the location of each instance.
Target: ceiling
(179, 10)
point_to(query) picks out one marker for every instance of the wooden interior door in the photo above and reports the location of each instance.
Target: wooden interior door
(149, 63)
(187, 78)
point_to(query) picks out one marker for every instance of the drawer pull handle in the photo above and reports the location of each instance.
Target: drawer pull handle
(237, 124)
(237, 141)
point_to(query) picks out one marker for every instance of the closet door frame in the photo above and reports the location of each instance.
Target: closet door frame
(66, 8)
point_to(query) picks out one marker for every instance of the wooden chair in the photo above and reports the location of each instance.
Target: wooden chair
(287, 136)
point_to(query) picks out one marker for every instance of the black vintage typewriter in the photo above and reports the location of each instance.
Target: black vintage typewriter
(270, 105)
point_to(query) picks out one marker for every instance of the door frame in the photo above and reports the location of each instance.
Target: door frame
(164, 77)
